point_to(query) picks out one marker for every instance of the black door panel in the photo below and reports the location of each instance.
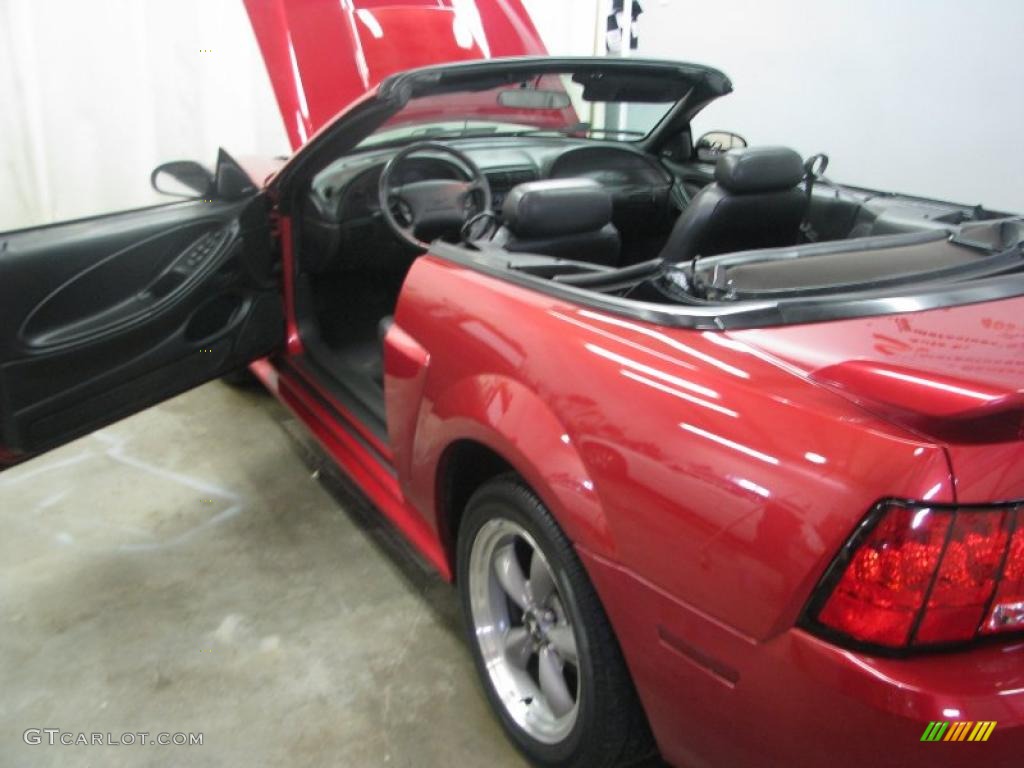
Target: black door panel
(103, 317)
(129, 283)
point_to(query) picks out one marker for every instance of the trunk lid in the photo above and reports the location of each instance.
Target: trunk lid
(955, 375)
(323, 54)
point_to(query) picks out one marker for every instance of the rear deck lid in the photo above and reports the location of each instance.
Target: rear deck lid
(955, 375)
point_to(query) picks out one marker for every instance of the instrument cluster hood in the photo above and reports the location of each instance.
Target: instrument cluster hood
(323, 54)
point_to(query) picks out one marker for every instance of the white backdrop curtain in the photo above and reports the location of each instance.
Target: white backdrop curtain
(915, 96)
(920, 96)
(95, 94)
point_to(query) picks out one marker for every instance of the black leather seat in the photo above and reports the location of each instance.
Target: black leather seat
(755, 202)
(565, 218)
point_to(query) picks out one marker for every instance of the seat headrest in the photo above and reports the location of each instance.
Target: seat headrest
(759, 169)
(555, 207)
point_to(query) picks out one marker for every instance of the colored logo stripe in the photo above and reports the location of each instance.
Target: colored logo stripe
(959, 730)
(982, 731)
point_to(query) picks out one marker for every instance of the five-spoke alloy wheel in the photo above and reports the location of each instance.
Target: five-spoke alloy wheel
(550, 664)
(525, 636)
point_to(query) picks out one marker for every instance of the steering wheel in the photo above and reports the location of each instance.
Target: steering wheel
(424, 210)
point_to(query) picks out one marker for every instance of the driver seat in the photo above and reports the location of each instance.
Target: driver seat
(563, 218)
(755, 202)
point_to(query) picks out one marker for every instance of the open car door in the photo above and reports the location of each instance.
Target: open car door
(102, 317)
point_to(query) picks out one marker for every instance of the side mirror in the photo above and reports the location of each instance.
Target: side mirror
(182, 178)
(713, 144)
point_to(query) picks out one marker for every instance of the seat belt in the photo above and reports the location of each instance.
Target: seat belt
(814, 169)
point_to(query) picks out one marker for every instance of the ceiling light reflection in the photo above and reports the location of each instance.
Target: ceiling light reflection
(629, 363)
(750, 485)
(766, 458)
(371, 22)
(676, 393)
(666, 339)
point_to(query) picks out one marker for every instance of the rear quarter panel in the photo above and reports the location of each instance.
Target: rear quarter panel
(707, 471)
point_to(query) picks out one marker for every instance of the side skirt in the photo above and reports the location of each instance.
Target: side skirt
(342, 442)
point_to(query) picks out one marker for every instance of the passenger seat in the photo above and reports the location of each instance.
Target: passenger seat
(756, 201)
(564, 218)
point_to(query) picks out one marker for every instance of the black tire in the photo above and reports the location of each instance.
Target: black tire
(241, 378)
(610, 729)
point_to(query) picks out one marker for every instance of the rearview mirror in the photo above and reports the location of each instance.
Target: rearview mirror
(529, 98)
(182, 178)
(713, 144)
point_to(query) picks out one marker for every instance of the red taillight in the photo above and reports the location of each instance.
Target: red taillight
(1007, 611)
(886, 581)
(920, 576)
(966, 577)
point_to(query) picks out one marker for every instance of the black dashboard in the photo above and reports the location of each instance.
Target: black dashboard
(342, 212)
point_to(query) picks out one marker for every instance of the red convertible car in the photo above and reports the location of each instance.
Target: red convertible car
(724, 459)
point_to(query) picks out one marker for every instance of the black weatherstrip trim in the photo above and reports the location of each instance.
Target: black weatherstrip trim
(742, 315)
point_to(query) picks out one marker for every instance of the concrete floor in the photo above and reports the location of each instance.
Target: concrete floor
(181, 571)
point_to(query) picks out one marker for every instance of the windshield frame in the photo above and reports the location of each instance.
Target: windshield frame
(698, 85)
(693, 85)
